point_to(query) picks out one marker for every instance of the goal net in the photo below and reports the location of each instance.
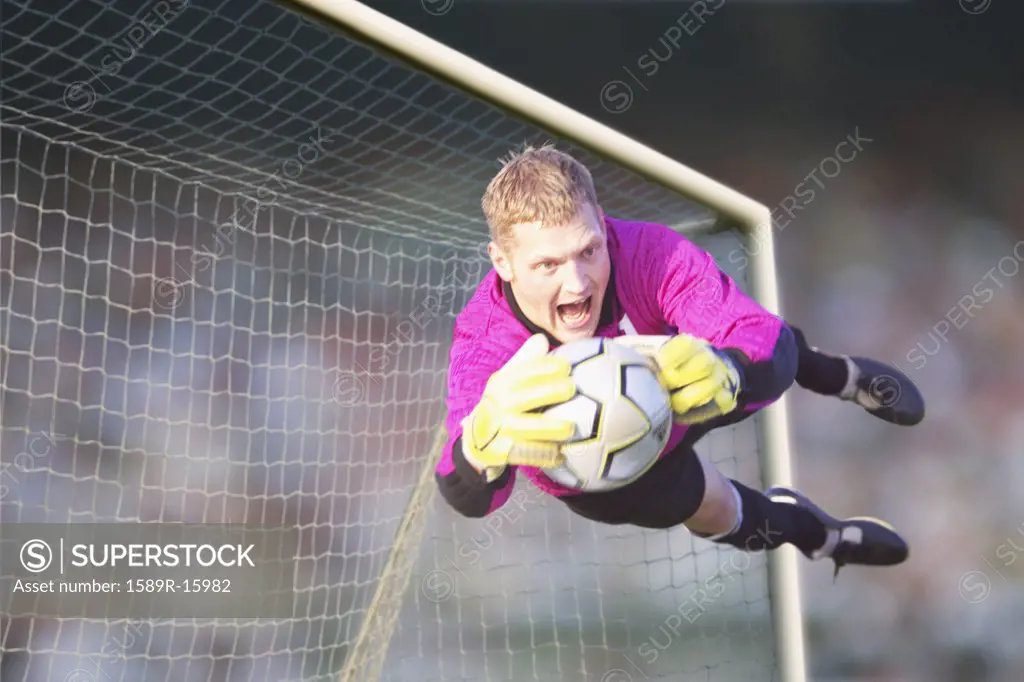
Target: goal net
(233, 243)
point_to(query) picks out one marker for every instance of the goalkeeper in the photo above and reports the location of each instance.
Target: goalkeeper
(564, 271)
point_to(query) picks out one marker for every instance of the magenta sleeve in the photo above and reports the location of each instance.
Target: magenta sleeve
(467, 491)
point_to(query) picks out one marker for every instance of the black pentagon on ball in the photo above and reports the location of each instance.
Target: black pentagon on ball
(595, 427)
(623, 375)
(623, 385)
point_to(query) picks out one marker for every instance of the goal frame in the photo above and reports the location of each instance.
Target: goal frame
(752, 219)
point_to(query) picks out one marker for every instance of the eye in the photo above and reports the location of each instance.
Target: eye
(589, 251)
(548, 265)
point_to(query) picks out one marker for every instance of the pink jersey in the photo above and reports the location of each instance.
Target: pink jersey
(662, 283)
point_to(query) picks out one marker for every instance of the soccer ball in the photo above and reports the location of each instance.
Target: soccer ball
(622, 414)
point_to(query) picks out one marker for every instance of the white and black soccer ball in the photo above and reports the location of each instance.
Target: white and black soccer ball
(622, 414)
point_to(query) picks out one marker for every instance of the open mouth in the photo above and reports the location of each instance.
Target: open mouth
(575, 314)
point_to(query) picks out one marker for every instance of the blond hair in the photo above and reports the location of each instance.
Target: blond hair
(536, 185)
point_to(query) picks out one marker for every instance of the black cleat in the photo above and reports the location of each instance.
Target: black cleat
(883, 391)
(861, 540)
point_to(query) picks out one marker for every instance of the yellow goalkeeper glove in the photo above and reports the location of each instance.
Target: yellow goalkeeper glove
(500, 431)
(702, 381)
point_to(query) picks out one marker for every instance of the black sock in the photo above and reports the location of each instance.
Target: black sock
(765, 524)
(816, 371)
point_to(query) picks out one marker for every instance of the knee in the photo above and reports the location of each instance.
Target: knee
(717, 513)
(719, 508)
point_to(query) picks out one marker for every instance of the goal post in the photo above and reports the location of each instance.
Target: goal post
(751, 217)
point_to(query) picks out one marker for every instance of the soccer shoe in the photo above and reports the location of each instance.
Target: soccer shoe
(860, 540)
(883, 391)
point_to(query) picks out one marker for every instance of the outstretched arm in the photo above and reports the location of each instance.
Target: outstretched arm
(502, 430)
(693, 296)
(464, 488)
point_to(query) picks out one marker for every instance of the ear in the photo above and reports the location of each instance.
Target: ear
(500, 261)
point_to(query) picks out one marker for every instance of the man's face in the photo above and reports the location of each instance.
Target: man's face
(559, 274)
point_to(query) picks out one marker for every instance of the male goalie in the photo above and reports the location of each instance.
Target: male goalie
(564, 271)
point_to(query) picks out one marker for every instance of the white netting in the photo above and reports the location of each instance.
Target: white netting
(171, 354)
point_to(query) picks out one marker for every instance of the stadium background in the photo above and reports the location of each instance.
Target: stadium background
(757, 98)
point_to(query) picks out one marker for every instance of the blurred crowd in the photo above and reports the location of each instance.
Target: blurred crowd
(925, 272)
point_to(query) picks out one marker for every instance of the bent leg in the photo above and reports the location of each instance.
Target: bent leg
(736, 515)
(733, 514)
(685, 489)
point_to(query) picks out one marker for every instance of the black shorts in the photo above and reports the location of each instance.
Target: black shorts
(667, 495)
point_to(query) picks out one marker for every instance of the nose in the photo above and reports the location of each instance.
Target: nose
(575, 281)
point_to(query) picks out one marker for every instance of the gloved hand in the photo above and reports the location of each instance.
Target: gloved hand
(500, 431)
(703, 382)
